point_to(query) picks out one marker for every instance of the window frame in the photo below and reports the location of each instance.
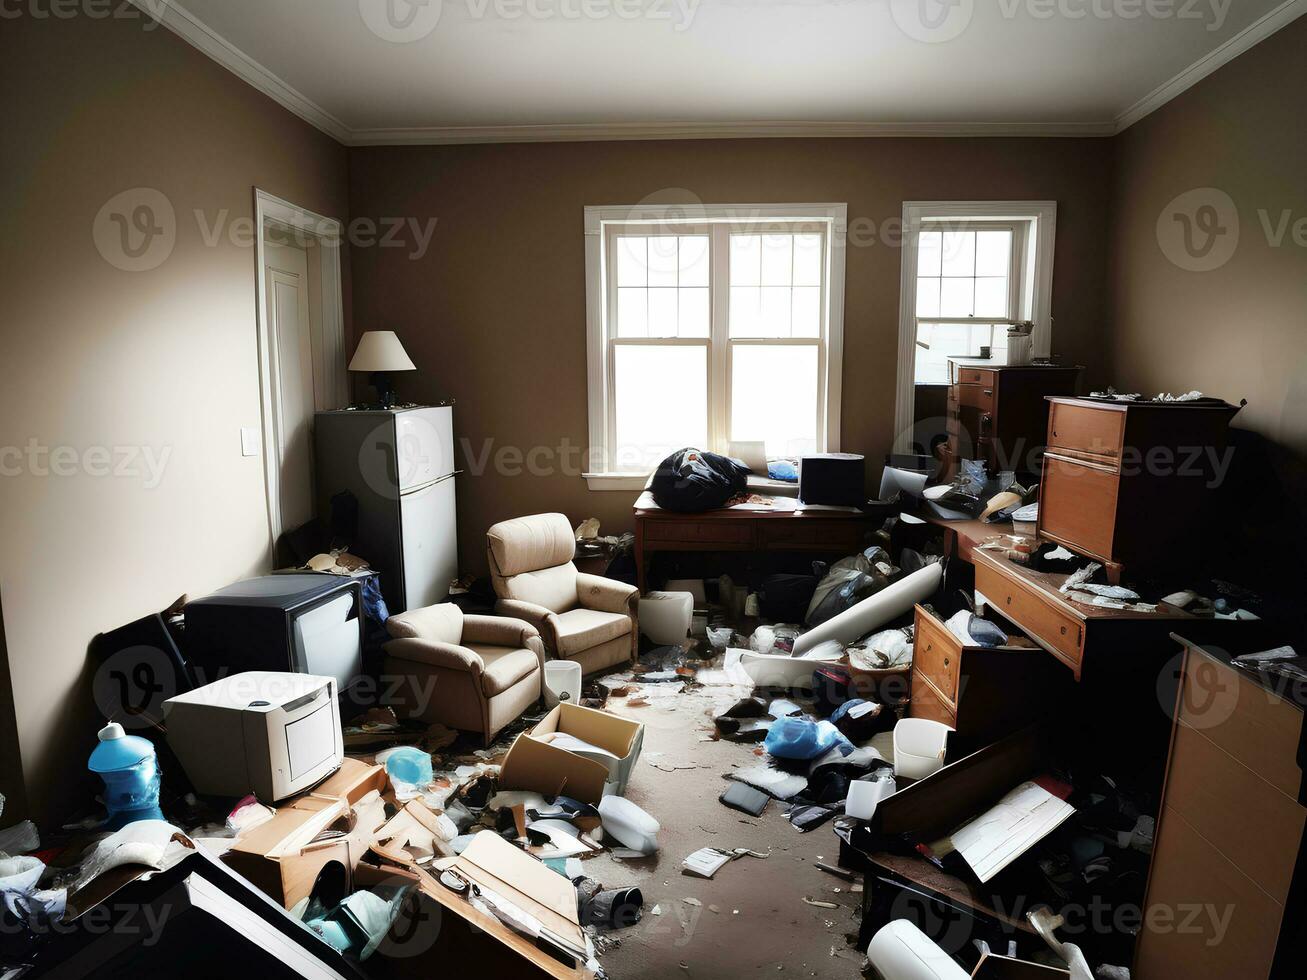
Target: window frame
(1032, 293)
(603, 224)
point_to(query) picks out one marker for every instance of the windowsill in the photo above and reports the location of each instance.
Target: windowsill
(616, 481)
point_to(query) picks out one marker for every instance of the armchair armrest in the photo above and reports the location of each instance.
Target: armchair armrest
(504, 632)
(606, 594)
(435, 653)
(543, 619)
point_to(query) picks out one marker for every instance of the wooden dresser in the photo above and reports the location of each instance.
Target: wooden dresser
(1127, 482)
(1226, 887)
(999, 414)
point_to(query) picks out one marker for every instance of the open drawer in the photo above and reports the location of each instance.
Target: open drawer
(983, 693)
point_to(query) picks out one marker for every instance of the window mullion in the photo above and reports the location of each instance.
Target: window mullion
(719, 278)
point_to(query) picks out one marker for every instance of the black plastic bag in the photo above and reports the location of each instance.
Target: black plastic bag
(692, 480)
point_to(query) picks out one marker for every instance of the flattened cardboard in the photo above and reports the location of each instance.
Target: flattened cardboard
(547, 771)
(410, 834)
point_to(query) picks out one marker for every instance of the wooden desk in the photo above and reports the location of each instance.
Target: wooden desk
(734, 529)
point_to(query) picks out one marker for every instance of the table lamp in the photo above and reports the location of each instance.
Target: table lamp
(379, 352)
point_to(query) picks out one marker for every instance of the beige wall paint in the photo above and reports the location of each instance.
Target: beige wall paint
(95, 356)
(494, 313)
(1240, 330)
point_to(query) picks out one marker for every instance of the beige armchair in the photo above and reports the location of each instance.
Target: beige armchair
(473, 673)
(586, 618)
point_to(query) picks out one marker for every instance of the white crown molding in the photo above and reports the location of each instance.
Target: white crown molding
(1252, 35)
(198, 34)
(191, 29)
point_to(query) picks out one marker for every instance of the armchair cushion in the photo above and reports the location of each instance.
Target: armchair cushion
(504, 667)
(451, 656)
(604, 594)
(544, 620)
(499, 631)
(442, 622)
(528, 544)
(554, 588)
(581, 629)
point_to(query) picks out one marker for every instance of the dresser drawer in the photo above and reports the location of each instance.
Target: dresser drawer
(1059, 631)
(927, 703)
(976, 396)
(1257, 729)
(812, 534)
(937, 654)
(1077, 504)
(1086, 429)
(975, 376)
(699, 532)
(1248, 820)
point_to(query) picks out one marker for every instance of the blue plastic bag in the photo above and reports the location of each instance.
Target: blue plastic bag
(798, 738)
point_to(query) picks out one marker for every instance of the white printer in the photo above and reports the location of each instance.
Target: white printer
(268, 733)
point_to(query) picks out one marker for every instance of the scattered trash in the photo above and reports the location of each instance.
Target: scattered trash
(818, 903)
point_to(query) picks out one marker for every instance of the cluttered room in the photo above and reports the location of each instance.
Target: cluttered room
(886, 561)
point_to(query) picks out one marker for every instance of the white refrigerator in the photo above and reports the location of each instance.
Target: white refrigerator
(399, 464)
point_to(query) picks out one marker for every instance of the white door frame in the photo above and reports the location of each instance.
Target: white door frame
(328, 341)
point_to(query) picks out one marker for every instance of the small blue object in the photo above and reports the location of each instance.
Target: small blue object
(799, 738)
(409, 765)
(130, 770)
(783, 469)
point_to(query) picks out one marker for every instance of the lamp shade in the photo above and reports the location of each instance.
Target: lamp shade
(380, 350)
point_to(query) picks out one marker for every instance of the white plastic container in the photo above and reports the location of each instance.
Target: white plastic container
(665, 616)
(625, 821)
(919, 745)
(865, 794)
(562, 682)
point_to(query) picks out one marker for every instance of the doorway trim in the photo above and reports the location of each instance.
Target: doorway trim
(330, 389)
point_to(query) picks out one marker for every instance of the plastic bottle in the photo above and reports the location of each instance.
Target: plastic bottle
(130, 770)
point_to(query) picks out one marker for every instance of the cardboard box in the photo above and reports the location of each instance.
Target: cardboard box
(330, 824)
(440, 933)
(535, 765)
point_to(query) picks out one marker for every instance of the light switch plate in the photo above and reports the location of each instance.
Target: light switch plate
(249, 440)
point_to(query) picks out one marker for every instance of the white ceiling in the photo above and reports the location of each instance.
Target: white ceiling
(472, 70)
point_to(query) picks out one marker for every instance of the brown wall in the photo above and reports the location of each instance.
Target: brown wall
(96, 356)
(1238, 330)
(494, 313)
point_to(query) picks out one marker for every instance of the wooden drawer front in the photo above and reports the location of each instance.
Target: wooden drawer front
(817, 535)
(975, 376)
(1039, 620)
(1193, 890)
(1077, 504)
(976, 396)
(1250, 821)
(926, 702)
(1242, 719)
(699, 532)
(937, 654)
(1085, 429)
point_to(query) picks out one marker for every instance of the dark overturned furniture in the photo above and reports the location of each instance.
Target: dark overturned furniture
(1226, 888)
(998, 413)
(1129, 482)
(835, 532)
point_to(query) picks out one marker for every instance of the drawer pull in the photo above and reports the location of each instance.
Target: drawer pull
(1009, 600)
(989, 391)
(1064, 631)
(946, 661)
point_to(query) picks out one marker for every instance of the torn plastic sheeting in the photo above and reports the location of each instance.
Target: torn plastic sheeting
(798, 738)
(892, 601)
(23, 900)
(773, 782)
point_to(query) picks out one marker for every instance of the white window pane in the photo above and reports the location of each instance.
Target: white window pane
(807, 260)
(662, 312)
(956, 297)
(745, 311)
(694, 260)
(927, 297)
(929, 248)
(774, 317)
(662, 260)
(631, 261)
(774, 397)
(746, 256)
(632, 313)
(991, 296)
(931, 367)
(993, 252)
(694, 317)
(660, 403)
(777, 259)
(807, 312)
(959, 257)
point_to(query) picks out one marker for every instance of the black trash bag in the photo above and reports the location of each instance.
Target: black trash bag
(848, 582)
(692, 480)
(785, 598)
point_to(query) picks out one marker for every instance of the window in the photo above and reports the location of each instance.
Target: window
(711, 326)
(969, 270)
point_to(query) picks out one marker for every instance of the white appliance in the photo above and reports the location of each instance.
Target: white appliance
(269, 733)
(399, 464)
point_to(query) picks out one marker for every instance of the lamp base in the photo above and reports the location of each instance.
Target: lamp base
(380, 380)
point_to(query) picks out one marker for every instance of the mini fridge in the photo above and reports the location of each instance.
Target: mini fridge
(399, 464)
